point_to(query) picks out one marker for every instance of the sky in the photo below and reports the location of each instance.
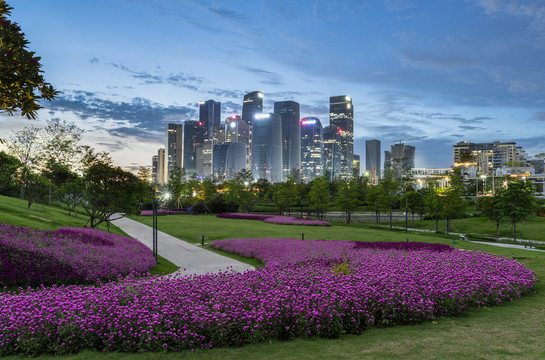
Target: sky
(427, 73)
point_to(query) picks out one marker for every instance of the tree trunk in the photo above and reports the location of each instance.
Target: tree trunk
(448, 225)
(515, 231)
(497, 228)
(436, 223)
(390, 224)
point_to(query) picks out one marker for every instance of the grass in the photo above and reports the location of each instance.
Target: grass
(513, 330)
(532, 228)
(15, 212)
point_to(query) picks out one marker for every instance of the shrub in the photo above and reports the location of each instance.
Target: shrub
(68, 255)
(288, 220)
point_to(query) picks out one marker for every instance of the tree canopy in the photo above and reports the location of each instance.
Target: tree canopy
(22, 84)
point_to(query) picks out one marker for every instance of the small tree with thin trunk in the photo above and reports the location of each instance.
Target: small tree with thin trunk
(517, 202)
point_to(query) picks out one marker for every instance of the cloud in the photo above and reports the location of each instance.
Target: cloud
(470, 128)
(267, 77)
(229, 15)
(138, 117)
(539, 115)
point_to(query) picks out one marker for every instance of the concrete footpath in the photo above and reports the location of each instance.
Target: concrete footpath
(191, 259)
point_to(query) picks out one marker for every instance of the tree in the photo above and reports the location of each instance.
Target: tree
(319, 196)
(391, 186)
(452, 204)
(433, 205)
(108, 190)
(492, 208)
(377, 199)
(9, 167)
(347, 198)
(281, 198)
(174, 187)
(415, 202)
(517, 202)
(22, 84)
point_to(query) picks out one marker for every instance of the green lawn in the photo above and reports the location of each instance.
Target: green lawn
(532, 228)
(14, 211)
(513, 330)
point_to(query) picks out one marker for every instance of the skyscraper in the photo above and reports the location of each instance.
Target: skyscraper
(341, 116)
(332, 151)
(229, 159)
(399, 159)
(267, 147)
(193, 137)
(291, 136)
(161, 168)
(236, 130)
(251, 106)
(311, 148)
(154, 168)
(210, 117)
(372, 160)
(174, 140)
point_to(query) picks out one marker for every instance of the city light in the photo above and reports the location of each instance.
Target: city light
(200, 123)
(308, 122)
(233, 125)
(260, 95)
(262, 116)
(340, 131)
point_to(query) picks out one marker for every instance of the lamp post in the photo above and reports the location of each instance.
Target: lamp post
(155, 244)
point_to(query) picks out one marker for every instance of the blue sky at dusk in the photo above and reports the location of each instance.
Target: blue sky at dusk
(429, 73)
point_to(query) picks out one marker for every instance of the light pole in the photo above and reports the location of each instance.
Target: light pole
(156, 198)
(484, 177)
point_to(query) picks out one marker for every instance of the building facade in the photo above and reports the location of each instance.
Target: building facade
(252, 105)
(331, 156)
(229, 159)
(372, 160)
(341, 116)
(312, 144)
(210, 117)
(291, 135)
(267, 147)
(174, 146)
(488, 157)
(193, 137)
(399, 159)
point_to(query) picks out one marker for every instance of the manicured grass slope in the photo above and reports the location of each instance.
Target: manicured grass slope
(15, 212)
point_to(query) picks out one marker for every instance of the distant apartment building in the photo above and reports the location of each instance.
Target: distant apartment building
(312, 144)
(291, 136)
(372, 160)
(399, 159)
(488, 157)
(357, 165)
(161, 168)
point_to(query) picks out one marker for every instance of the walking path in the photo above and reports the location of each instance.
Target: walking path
(191, 259)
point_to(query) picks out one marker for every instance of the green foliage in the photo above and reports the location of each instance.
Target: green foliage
(347, 199)
(22, 84)
(415, 202)
(319, 196)
(9, 167)
(492, 208)
(518, 201)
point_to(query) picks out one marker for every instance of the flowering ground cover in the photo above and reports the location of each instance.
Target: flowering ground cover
(275, 219)
(307, 288)
(67, 255)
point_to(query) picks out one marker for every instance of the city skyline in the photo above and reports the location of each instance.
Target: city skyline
(429, 74)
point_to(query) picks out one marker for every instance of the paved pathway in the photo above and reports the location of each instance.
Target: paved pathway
(189, 257)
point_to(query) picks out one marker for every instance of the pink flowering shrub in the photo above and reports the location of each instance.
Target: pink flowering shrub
(244, 216)
(288, 220)
(275, 219)
(68, 255)
(307, 288)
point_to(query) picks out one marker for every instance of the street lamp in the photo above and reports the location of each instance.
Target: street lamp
(156, 198)
(484, 177)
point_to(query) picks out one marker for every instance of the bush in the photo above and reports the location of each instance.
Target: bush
(68, 255)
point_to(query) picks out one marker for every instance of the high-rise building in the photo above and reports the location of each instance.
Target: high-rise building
(311, 148)
(193, 137)
(399, 159)
(154, 168)
(332, 151)
(372, 160)
(210, 117)
(341, 116)
(229, 159)
(205, 157)
(236, 130)
(252, 104)
(488, 157)
(291, 136)
(267, 147)
(161, 167)
(174, 142)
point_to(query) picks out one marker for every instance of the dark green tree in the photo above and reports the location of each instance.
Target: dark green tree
(453, 205)
(22, 84)
(347, 198)
(377, 199)
(414, 201)
(319, 196)
(9, 168)
(517, 202)
(492, 208)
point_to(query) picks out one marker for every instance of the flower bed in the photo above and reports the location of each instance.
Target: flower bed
(307, 288)
(167, 212)
(68, 255)
(288, 220)
(275, 219)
